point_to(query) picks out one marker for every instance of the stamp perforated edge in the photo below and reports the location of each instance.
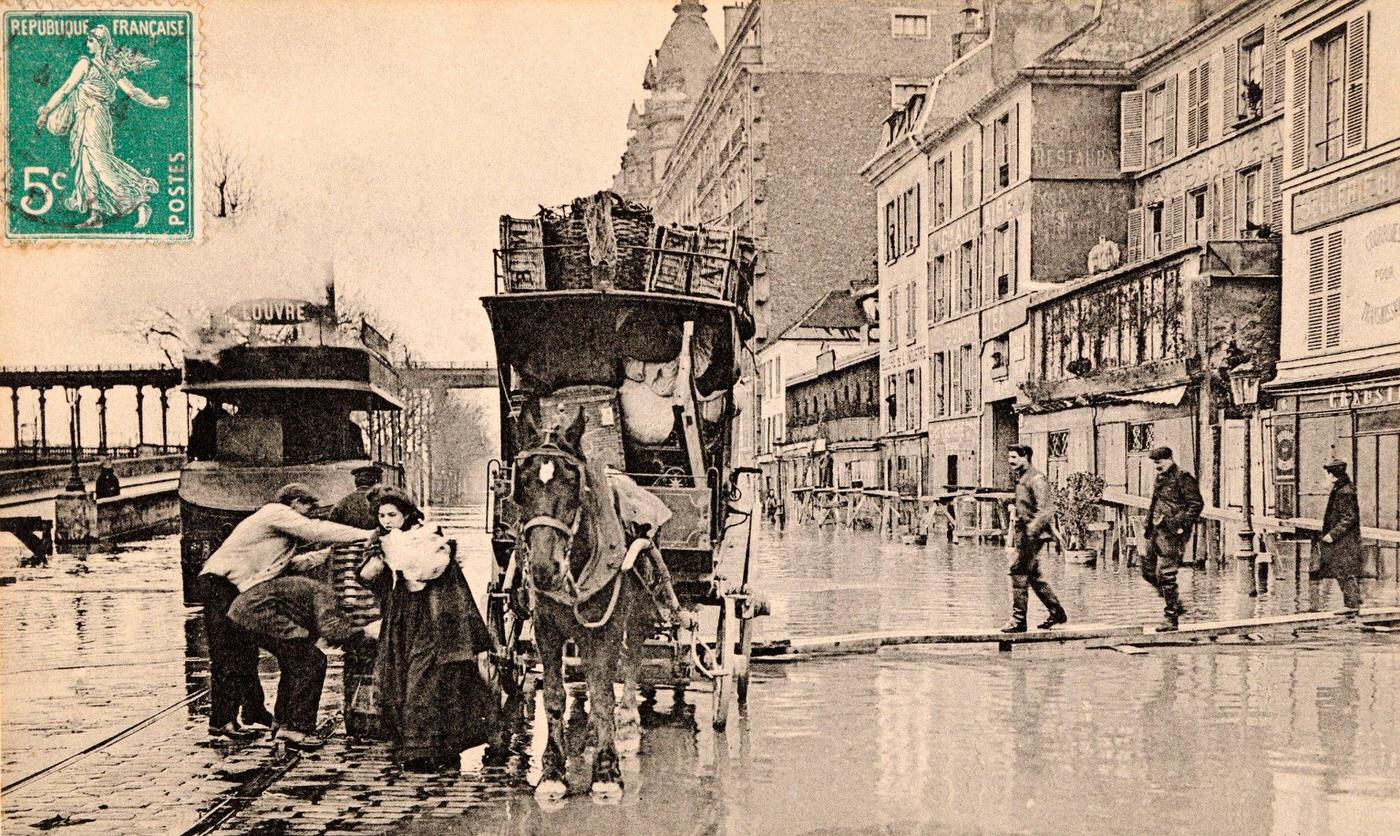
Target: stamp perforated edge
(197, 118)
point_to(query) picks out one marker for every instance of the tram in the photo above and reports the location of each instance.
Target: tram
(292, 395)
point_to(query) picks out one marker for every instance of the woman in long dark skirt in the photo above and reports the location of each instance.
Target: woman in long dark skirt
(434, 703)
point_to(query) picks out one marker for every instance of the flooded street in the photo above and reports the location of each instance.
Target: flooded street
(1279, 736)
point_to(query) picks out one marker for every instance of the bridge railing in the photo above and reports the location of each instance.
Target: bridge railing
(33, 456)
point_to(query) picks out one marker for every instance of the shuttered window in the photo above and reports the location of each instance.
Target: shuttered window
(969, 168)
(940, 195)
(911, 302)
(1156, 124)
(1329, 86)
(1176, 223)
(1198, 105)
(1134, 236)
(1325, 291)
(1131, 149)
(938, 289)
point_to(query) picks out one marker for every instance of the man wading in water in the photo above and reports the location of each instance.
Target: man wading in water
(1035, 511)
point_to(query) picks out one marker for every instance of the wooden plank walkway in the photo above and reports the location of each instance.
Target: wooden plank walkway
(1095, 636)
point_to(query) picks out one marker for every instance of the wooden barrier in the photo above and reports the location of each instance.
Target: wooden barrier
(1095, 635)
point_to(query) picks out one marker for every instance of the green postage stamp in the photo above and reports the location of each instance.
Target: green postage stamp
(100, 122)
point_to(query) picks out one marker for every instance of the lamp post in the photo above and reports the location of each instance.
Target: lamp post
(1244, 391)
(75, 478)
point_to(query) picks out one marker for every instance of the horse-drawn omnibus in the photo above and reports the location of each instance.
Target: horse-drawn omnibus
(618, 346)
(284, 384)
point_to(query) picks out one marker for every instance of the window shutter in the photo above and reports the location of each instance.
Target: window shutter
(1230, 86)
(1131, 150)
(1272, 95)
(989, 258)
(1013, 153)
(1203, 105)
(1011, 263)
(989, 159)
(1316, 291)
(1273, 194)
(1169, 120)
(1333, 329)
(1229, 230)
(1193, 137)
(1135, 236)
(1175, 233)
(1298, 129)
(948, 190)
(1355, 114)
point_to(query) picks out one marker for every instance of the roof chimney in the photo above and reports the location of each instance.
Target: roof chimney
(732, 16)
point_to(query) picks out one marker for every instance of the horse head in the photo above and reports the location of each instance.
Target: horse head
(549, 488)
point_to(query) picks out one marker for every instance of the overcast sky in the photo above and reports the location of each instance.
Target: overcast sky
(385, 138)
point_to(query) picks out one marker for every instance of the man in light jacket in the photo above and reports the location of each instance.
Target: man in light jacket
(258, 549)
(1035, 514)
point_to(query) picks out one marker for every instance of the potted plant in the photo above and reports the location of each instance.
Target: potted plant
(1076, 508)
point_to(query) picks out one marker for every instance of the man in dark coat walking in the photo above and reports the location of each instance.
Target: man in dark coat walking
(1171, 517)
(1035, 514)
(1340, 542)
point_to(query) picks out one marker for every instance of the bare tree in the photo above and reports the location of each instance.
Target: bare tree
(229, 193)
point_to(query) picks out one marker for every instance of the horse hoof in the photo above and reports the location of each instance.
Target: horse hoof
(606, 792)
(551, 791)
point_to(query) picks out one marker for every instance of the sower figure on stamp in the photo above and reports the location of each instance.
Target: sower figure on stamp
(1340, 542)
(1035, 513)
(104, 185)
(1171, 517)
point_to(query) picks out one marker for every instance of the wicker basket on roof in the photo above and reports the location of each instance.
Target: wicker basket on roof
(569, 254)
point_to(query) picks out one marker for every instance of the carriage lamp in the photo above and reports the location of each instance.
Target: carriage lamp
(75, 478)
(1244, 391)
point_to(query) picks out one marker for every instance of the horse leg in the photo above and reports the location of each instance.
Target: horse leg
(629, 718)
(599, 653)
(551, 786)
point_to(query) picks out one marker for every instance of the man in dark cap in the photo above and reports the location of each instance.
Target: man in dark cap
(1171, 518)
(354, 509)
(1340, 542)
(1035, 513)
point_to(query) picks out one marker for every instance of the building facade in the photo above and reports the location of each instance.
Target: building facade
(836, 326)
(674, 80)
(1138, 355)
(1337, 392)
(833, 415)
(762, 153)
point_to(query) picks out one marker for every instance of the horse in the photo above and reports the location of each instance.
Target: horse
(558, 538)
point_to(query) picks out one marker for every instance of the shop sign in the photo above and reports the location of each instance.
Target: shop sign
(1383, 395)
(1370, 189)
(272, 311)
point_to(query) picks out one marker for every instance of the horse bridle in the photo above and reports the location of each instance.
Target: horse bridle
(551, 522)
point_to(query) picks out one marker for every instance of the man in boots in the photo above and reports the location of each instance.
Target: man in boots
(1176, 505)
(1035, 513)
(1341, 537)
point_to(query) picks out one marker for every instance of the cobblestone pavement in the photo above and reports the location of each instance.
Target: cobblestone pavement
(1297, 735)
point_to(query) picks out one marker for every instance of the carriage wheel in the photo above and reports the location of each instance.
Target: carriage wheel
(723, 664)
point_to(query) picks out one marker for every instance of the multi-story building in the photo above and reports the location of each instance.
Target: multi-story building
(1022, 152)
(833, 414)
(773, 147)
(1132, 357)
(835, 325)
(675, 77)
(900, 175)
(1337, 391)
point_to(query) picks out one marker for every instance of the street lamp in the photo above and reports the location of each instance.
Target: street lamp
(75, 478)
(1244, 391)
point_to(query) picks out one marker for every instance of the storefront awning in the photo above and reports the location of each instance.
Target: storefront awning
(1171, 396)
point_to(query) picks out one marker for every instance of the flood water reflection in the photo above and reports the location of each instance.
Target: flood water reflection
(1282, 736)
